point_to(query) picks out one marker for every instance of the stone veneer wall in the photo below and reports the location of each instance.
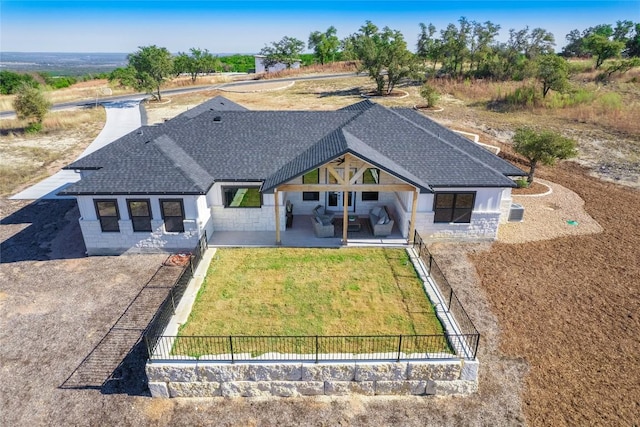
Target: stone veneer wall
(209, 379)
(126, 240)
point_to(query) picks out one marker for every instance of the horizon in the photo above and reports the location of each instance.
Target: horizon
(245, 27)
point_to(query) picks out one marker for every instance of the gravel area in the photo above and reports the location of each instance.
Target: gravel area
(555, 213)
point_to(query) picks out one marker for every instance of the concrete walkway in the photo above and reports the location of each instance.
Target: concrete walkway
(122, 118)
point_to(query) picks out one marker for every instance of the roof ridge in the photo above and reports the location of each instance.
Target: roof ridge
(175, 154)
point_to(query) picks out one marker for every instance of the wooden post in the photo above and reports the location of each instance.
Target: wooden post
(414, 208)
(277, 202)
(345, 201)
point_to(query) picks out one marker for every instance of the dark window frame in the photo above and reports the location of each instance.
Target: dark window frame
(171, 226)
(311, 195)
(453, 214)
(230, 187)
(370, 196)
(104, 219)
(135, 223)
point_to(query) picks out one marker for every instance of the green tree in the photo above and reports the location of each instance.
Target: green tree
(10, 82)
(31, 104)
(482, 39)
(148, 68)
(197, 62)
(286, 51)
(545, 147)
(599, 45)
(553, 73)
(384, 56)
(455, 48)
(325, 45)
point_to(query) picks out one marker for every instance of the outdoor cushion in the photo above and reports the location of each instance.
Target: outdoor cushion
(325, 220)
(381, 220)
(318, 220)
(376, 211)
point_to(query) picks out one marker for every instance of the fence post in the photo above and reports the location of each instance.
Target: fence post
(231, 347)
(450, 298)
(399, 348)
(316, 349)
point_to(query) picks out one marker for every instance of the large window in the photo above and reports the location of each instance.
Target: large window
(140, 214)
(108, 215)
(453, 207)
(312, 177)
(173, 215)
(242, 197)
(370, 176)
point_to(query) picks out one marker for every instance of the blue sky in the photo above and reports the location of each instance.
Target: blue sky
(246, 26)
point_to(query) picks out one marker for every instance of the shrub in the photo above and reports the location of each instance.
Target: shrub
(522, 183)
(430, 94)
(525, 96)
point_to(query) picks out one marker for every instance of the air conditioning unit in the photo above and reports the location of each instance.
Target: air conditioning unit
(516, 213)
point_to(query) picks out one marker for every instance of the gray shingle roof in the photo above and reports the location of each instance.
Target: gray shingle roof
(221, 141)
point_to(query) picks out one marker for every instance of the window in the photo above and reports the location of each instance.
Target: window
(242, 197)
(108, 215)
(173, 215)
(140, 214)
(453, 207)
(312, 177)
(370, 176)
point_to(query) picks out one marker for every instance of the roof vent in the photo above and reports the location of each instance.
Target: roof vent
(217, 119)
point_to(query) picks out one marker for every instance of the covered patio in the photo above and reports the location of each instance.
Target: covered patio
(301, 235)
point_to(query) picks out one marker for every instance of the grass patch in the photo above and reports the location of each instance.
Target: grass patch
(308, 292)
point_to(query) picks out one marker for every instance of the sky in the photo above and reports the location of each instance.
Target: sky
(236, 26)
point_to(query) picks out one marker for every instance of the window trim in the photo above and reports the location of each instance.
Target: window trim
(311, 195)
(452, 208)
(133, 224)
(164, 217)
(99, 217)
(224, 197)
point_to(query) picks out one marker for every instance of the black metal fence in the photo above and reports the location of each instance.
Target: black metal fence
(463, 344)
(311, 348)
(451, 302)
(167, 309)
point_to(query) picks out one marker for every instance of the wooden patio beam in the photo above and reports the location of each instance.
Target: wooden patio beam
(353, 187)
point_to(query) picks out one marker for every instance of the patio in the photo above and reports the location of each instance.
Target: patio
(301, 235)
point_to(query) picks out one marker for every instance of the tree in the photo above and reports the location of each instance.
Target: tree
(540, 42)
(545, 147)
(574, 47)
(198, 62)
(384, 56)
(286, 51)
(325, 45)
(10, 82)
(553, 73)
(602, 48)
(148, 68)
(31, 104)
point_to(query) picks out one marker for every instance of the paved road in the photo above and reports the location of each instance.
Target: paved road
(122, 118)
(89, 102)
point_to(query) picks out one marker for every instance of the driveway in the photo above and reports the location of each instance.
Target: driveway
(122, 118)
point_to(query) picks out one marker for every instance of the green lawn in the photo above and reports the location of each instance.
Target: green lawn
(307, 292)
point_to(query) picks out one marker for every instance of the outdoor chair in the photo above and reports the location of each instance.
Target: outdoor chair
(325, 217)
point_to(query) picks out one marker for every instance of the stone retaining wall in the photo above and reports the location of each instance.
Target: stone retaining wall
(207, 379)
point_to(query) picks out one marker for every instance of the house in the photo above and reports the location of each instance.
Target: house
(220, 167)
(260, 68)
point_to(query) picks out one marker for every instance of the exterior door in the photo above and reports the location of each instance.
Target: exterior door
(335, 198)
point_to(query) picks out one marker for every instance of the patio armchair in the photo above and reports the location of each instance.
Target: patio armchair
(325, 217)
(381, 222)
(320, 229)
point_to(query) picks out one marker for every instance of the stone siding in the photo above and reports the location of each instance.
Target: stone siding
(208, 379)
(126, 240)
(247, 219)
(483, 226)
